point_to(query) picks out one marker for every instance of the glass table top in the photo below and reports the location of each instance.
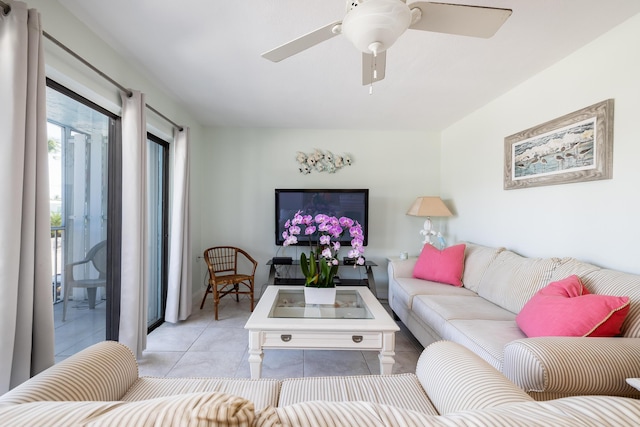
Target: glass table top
(290, 303)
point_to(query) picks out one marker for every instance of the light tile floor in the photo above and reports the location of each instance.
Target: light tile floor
(81, 328)
(203, 347)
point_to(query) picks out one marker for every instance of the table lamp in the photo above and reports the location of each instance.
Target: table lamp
(428, 206)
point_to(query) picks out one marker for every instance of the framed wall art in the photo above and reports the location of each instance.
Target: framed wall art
(573, 148)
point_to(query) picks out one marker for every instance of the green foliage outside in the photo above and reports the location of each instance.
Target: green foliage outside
(53, 146)
(56, 221)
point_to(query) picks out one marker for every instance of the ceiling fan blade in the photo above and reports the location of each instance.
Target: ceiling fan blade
(302, 43)
(474, 21)
(373, 65)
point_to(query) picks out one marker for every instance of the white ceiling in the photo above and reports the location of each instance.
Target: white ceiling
(206, 53)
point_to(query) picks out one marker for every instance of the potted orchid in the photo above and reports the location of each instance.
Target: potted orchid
(321, 265)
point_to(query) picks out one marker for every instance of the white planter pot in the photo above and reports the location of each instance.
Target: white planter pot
(319, 295)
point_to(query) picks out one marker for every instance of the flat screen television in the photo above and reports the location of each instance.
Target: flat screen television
(338, 202)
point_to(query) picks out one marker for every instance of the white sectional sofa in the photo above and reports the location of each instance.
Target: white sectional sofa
(452, 386)
(481, 316)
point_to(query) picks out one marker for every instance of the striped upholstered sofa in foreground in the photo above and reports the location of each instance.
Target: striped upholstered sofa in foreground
(452, 387)
(496, 294)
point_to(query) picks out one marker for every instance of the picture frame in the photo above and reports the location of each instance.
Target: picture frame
(576, 147)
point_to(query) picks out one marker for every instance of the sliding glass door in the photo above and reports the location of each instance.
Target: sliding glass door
(79, 135)
(157, 195)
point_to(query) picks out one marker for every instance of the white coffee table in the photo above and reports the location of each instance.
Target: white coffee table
(356, 322)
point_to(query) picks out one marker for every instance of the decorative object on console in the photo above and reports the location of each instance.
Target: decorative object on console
(566, 308)
(321, 266)
(576, 147)
(354, 261)
(321, 161)
(430, 206)
(442, 266)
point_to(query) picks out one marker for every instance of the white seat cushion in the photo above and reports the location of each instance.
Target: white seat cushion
(437, 310)
(486, 338)
(405, 289)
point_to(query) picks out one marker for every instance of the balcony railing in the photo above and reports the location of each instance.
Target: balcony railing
(56, 263)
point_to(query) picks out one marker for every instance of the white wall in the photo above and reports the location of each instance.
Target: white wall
(243, 167)
(593, 221)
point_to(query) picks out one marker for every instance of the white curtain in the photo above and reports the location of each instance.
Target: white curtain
(179, 288)
(26, 301)
(133, 298)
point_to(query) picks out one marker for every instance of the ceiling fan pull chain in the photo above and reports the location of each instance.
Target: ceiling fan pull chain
(374, 72)
(375, 65)
(373, 47)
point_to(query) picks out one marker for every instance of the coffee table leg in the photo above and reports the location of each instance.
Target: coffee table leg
(387, 353)
(255, 354)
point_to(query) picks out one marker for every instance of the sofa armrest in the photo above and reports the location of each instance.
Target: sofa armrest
(573, 365)
(102, 372)
(456, 379)
(401, 267)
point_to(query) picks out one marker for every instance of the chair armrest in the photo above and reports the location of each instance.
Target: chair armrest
(84, 261)
(456, 379)
(68, 269)
(102, 372)
(250, 259)
(401, 267)
(573, 365)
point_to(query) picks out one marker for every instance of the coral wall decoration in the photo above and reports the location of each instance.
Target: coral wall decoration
(321, 161)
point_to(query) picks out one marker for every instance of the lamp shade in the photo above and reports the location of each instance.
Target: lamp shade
(429, 206)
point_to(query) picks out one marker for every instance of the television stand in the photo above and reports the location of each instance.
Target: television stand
(299, 281)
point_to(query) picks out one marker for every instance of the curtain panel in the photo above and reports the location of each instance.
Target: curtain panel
(26, 305)
(179, 298)
(134, 264)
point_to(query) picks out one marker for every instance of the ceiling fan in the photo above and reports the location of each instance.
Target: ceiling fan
(373, 26)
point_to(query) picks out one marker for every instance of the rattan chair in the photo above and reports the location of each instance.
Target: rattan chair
(224, 275)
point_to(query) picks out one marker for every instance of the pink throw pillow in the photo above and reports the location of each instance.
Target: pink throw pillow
(443, 266)
(566, 308)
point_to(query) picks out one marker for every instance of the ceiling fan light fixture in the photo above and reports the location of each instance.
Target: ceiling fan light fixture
(376, 21)
(375, 47)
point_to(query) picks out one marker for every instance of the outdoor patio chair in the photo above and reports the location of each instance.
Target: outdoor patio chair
(97, 255)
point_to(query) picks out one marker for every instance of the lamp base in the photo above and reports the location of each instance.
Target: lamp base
(429, 233)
